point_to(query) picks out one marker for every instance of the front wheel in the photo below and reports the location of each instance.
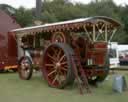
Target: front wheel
(25, 68)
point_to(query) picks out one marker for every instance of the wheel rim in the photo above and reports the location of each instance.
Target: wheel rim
(25, 68)
(56, 67)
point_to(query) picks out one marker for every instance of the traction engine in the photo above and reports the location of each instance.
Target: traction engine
(65, 51)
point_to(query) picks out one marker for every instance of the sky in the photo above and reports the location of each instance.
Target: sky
(31, 3)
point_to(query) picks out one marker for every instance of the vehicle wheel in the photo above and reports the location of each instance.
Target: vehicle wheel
(57, 68)
(25, 68)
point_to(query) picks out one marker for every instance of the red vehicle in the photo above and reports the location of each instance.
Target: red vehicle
(8, 50)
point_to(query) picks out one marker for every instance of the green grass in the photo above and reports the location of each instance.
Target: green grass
(12, 89)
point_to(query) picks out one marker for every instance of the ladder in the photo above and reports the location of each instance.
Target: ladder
(79, 73)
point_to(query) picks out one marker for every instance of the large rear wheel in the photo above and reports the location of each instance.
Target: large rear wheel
(57, 67)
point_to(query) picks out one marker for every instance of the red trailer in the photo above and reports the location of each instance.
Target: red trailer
(8, 50)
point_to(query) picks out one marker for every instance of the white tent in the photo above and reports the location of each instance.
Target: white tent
(122, 47)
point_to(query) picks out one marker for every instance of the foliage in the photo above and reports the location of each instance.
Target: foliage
(24, 17)
(10, 10)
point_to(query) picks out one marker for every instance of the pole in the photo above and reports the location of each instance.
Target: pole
(38, 8)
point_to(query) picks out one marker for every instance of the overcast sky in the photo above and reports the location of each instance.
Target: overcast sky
(31, 3)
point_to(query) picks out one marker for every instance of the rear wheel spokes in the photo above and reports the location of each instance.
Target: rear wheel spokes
(62, 57)
(54, 51)
(62, 75)
(52, 72)
(59, 54)
(64, 63)
(53, 81)
(51, 57)
(59, 78)
(49, 65)
(64, 69)
(58, 62)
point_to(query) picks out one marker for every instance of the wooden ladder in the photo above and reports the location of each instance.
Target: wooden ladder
(81, 78)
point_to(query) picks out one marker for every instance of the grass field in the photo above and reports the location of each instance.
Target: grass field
(12, 89)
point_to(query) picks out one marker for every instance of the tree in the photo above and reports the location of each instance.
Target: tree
(8, 9)
(24, 17)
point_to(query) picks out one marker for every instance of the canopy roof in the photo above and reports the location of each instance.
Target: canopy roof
(68, 25)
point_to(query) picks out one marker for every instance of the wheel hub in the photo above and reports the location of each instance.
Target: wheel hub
(58, 64)
(25, 68)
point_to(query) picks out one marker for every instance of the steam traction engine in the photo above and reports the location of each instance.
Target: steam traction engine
(66, 50)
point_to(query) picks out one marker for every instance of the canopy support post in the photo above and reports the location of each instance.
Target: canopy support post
(106, 32)
(112, 34)
(94, 32)
(87, 33)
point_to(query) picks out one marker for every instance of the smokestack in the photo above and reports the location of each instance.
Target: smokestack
(38, 8)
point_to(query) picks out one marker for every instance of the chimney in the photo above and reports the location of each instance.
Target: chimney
(38, 8)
